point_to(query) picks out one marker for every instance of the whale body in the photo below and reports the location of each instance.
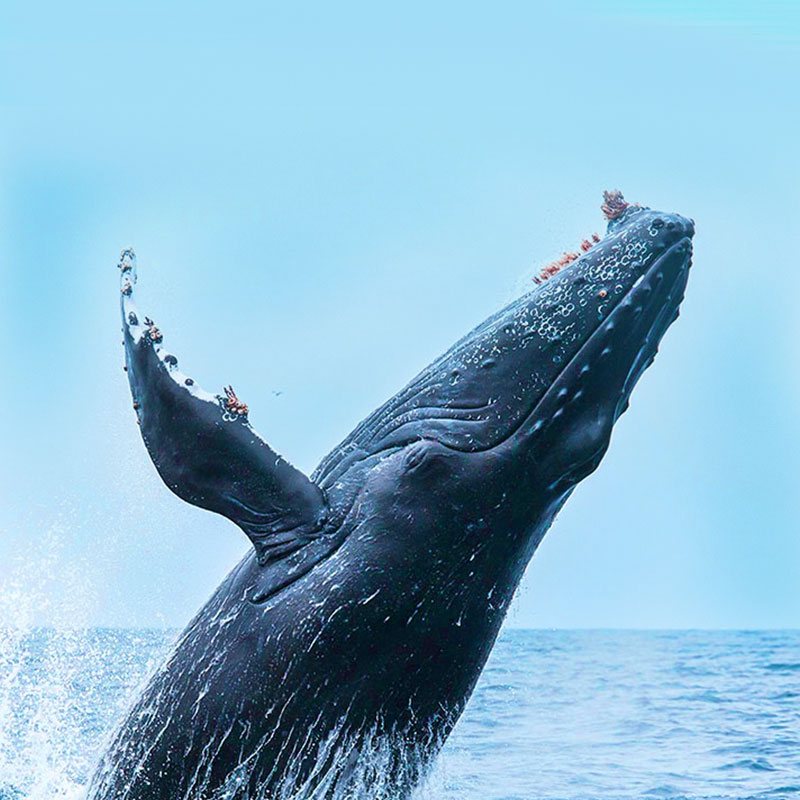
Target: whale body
(336, 657)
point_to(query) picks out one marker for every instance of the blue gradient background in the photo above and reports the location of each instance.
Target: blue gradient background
(324, 198)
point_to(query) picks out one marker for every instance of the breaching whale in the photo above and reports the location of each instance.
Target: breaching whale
(336, 657)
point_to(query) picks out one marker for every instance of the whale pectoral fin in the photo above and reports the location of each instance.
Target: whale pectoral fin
(205, 449)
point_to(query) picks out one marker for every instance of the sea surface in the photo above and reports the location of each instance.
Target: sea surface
(557, 714)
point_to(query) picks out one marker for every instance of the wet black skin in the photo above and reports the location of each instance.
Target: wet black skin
(375, 590)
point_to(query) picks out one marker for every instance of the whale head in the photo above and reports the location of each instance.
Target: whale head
(543, 380)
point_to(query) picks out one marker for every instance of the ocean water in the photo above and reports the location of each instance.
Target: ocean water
(557, 714)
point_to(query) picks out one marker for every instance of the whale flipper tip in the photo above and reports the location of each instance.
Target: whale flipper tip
(203, 446)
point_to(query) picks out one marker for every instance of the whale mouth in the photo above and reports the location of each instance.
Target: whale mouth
(593, 390)
(637, 322)
(674, 266)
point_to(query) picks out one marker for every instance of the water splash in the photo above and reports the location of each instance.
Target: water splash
(345, 766)
(42, 752)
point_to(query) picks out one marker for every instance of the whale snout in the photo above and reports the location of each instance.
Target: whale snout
(674, 222)
(662, 231)
(573, 422)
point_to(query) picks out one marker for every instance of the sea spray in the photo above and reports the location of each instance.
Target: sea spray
(44, 705)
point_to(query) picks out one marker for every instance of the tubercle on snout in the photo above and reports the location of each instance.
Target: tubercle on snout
(614, 204)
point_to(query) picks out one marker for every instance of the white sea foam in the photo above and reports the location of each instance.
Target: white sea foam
(40, 740)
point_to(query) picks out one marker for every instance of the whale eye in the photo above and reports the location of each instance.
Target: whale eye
(425, 457)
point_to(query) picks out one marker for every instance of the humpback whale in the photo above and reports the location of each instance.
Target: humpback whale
(334, 660)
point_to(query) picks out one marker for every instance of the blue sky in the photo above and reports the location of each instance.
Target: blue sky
(322, 199)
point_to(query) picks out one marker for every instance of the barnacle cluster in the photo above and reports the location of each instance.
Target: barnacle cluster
(126, 259)
(233, 405)
(614, 204)
(152, 331)
(554, 267)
